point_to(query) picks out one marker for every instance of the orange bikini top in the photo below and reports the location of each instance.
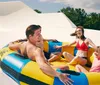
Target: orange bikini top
(82, 47)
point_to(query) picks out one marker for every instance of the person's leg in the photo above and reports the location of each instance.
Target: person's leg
(54, 56)
(67, 56)
(80, 68)
(82, 61)
(78, 60)
(74, 61)
(62, 67)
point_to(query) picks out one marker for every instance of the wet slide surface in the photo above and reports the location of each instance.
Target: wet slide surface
(5, 80)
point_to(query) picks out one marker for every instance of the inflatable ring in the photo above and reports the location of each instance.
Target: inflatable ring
(26, 72)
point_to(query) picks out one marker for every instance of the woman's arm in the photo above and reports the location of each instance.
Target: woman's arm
(92, 44)
(72, 43)
(58, 47)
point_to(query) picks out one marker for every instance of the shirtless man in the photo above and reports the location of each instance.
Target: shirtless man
(50, 56)
(35, 53)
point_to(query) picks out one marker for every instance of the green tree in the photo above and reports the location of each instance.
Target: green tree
(79, 17)
(37, 11)
(92, 21)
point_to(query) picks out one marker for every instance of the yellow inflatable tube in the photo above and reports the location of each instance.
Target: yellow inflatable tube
(27, 72)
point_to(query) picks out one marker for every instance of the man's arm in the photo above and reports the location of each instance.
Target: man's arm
(20, 40)
(54, 40)
(14, 46)
(47, 69)
(39, 56)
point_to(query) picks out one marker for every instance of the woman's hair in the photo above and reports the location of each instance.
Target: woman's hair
(31, 29)
(75, 33)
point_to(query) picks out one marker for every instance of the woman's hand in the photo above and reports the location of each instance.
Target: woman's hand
(57, 47)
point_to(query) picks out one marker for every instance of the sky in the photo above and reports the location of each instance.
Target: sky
(48, 6)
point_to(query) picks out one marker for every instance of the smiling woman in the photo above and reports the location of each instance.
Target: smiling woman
(82, 45)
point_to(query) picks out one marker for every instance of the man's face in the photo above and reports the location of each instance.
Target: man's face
(37, 35)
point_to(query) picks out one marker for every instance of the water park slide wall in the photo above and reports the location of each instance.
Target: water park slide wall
(15, 16)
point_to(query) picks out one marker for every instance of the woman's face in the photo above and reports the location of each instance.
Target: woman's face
(79, 32)
(97, 52)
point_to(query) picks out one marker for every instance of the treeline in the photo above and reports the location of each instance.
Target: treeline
(79, 17)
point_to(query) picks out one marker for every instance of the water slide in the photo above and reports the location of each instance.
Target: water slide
(5, 80)
(15, 16)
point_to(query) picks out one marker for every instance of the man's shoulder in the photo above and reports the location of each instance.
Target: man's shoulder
(33, 48)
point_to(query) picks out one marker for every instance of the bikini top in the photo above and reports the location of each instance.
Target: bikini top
(82, 47)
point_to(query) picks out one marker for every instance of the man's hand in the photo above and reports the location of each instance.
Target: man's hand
(53, 40)
(63, 77)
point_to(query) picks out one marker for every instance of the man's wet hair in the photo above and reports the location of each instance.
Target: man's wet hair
(31, 29)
